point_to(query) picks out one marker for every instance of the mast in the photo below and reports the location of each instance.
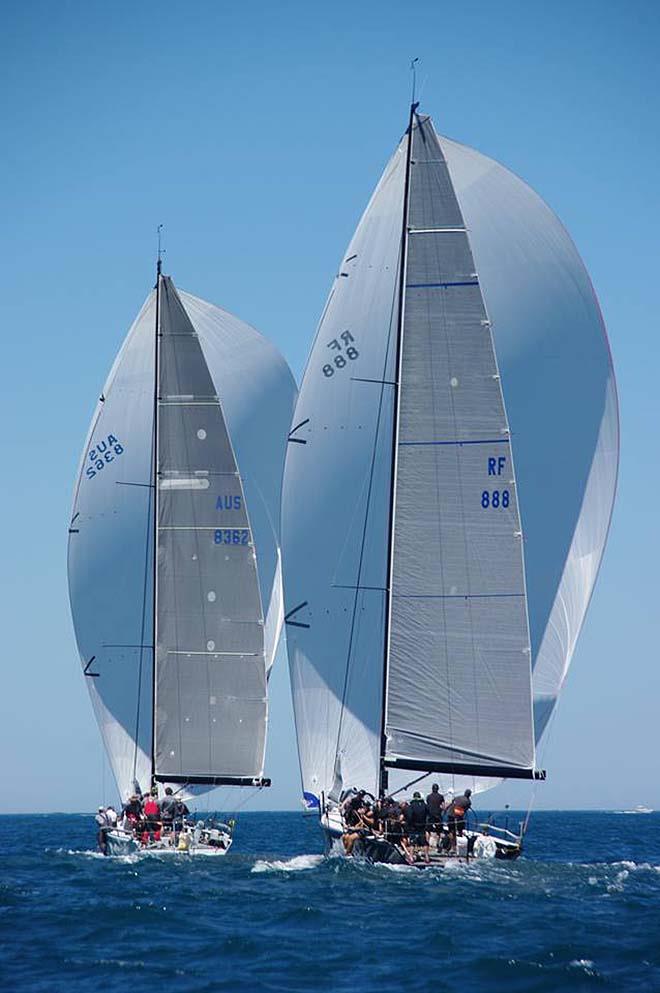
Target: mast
(154, 473)
(382, 773)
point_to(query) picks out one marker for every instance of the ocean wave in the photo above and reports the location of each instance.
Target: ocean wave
(88, 853)
(296, 864)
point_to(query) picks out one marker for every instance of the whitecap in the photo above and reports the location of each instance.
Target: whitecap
(89, 853)
(585, 965)
(295, 864)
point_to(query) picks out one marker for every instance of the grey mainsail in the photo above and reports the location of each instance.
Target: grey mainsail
(211, 706)
(458, 621)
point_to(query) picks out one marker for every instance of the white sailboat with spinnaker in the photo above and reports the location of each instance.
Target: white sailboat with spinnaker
(174, 561)
(449, 483)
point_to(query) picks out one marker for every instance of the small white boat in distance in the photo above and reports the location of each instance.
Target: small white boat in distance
(639, 809)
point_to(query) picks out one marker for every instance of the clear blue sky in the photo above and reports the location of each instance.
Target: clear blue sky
(255, 132)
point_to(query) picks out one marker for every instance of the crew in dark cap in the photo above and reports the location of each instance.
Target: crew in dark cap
(436, 804)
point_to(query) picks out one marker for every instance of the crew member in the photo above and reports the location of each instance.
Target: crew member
(436, 804)
(180, 813)
(168, 808)
(358, 821)
(456, 816)
(152, 813)
(417, 817)
(102, 823)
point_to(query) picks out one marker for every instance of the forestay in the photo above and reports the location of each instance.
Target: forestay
(210, 665)
(459, 673)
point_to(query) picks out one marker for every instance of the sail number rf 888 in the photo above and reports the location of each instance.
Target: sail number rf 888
(345, 345)
(495, 498)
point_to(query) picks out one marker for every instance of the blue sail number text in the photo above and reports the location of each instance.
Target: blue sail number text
(231, 536)
(104, 452)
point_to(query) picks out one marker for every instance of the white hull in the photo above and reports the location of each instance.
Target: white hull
(122, 843)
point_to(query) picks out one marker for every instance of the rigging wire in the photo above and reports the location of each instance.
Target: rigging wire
(422, 87)
(147, 572)
(546, 739)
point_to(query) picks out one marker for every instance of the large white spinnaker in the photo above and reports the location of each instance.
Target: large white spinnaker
(476, 603)
(111, 560)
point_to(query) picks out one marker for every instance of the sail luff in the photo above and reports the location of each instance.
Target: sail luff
(382, 775)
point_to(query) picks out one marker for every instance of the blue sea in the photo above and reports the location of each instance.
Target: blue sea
(579, 912)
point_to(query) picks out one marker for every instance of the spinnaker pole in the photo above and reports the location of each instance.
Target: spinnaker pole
(382, 771)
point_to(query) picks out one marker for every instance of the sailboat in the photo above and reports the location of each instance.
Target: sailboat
(173, 560)
(449, 482)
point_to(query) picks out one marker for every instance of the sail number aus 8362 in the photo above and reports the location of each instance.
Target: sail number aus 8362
(106, 451)
(495, 499)
(231, 536)
(345, 345)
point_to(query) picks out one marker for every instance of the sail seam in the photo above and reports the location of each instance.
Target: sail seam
(430, 286)
(453, 596)
(478, 441)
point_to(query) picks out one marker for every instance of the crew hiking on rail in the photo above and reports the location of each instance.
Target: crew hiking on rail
(412, 826)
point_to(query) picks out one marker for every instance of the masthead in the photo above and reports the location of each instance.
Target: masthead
(159, 257)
